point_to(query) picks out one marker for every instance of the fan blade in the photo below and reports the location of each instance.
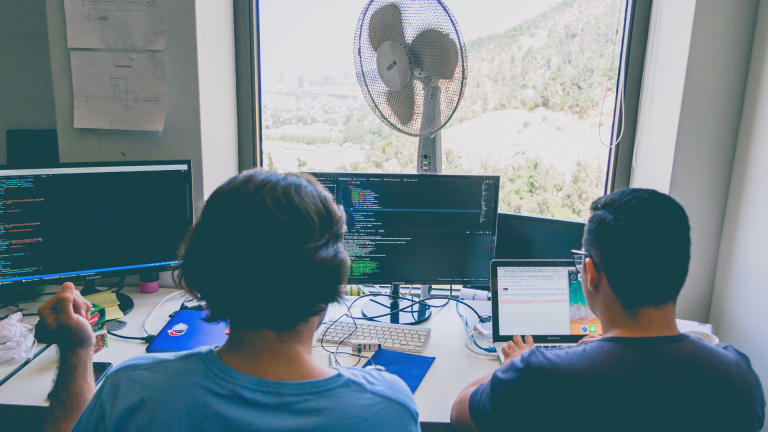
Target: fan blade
(435, 53)
(386, 25)
(402, 103)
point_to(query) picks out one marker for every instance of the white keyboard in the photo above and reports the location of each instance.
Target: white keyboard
(390, 336)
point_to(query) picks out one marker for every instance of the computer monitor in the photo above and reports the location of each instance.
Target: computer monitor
(531, 237)
(416, 229)
(85, 221)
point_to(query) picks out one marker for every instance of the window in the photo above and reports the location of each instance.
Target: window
(538, 108)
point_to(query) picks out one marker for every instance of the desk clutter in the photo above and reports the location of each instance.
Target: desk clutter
(110, 303)
(17, 341)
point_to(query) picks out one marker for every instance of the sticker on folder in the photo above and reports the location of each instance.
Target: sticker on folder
(410, 368)
(178, 330)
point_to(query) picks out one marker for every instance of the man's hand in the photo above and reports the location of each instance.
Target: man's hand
(589, 338)
(515, 348)
(66, 315)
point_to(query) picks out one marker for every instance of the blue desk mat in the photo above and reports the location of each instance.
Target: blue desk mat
(410, 368)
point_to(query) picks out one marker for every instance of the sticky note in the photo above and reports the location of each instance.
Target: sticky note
(113, 312)
(105, 299)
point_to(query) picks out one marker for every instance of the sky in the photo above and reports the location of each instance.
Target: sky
(314, 38)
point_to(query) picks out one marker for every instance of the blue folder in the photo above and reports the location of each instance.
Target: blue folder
(187, 331)
(410, 368)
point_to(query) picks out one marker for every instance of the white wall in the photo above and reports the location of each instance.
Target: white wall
(26, 90)
(207, 136)
(669, 40)
(740, 301)
(715, 82)
(704, 125)
(218, 104)
(180, 139)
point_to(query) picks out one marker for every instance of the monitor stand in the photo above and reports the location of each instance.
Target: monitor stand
(386, 305)
(126, 302)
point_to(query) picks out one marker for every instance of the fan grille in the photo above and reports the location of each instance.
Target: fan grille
(417, 16)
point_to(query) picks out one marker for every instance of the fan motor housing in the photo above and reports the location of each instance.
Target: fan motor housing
(393, 65)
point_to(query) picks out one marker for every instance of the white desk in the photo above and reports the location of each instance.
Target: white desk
(453, 368)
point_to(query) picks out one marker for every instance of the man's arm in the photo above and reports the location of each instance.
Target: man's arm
(66, 315)
(460, 417)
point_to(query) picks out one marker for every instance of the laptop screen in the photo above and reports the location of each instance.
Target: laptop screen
(543, 301)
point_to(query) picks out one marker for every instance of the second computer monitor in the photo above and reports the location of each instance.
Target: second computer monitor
(417, 228)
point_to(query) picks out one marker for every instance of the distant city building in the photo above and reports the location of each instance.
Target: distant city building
(300, 82)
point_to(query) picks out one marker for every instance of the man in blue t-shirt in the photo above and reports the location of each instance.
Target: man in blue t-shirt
(261, 236)
(642, 374)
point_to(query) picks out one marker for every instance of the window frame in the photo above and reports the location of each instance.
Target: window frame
(632, 62)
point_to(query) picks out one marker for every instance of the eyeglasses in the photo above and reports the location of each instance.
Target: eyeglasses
(579, 256)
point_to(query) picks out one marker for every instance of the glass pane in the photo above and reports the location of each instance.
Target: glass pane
(537, 109)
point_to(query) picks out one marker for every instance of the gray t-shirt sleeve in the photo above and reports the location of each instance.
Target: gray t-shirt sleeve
(480, 406)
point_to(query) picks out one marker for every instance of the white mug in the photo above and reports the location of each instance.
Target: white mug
(706, 337)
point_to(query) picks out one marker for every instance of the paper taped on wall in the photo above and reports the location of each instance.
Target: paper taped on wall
(119, 90)
(115, 24)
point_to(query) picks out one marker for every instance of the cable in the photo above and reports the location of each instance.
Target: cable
(471, 333)
(620, 89)
(116, 284)
(147, 339)
(144, 326)
(485, 352)
(335, 353)
(483, 318)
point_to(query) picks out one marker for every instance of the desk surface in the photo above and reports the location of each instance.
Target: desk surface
(454, 367)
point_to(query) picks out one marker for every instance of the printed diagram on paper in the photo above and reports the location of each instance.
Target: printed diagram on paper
(115, 24)
(118, 91)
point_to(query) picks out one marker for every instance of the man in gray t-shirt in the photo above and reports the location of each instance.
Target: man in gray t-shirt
(642, 374)
(261, 236)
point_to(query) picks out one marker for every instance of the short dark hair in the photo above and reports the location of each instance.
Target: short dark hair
(263, 238)
(634, 228)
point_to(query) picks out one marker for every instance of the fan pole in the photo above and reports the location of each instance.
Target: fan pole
(429, 159)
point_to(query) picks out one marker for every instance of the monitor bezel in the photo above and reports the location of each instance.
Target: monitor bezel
(495, 177)
(539, 339)
(97, 274)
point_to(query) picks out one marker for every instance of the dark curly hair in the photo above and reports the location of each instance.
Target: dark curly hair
(264, 236)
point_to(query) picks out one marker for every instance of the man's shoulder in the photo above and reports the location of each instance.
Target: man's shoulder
(612, 356)
(162, 365)
(382, 385)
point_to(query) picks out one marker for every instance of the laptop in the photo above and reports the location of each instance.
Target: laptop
(541, 298)
(187, 330)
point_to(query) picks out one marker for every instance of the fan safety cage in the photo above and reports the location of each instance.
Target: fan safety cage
(410, 109)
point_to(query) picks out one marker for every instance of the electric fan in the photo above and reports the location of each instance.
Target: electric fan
(411, 64)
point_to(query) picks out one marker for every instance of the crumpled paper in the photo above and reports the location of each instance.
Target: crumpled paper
(17, 341)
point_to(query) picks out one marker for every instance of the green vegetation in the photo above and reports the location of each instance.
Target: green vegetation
(560, 60)
(536, 188)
